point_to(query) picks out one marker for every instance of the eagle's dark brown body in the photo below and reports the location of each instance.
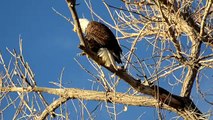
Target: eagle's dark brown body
(100, 36)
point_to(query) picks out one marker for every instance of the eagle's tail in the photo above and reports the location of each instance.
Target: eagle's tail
(107, 57)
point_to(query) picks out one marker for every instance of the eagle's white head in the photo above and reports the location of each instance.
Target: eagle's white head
(83, 23)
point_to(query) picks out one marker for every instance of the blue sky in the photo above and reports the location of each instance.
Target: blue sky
(49, 44)
(48, 41)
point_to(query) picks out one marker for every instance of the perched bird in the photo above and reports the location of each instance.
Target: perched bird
(102, 41)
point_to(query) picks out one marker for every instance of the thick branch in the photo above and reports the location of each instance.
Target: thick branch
(120, 98)
(189, 81)
(208, 6)
(192, 70)
(73, 93)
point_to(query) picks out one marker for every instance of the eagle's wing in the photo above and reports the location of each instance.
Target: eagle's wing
(100, 33)
(100, 36)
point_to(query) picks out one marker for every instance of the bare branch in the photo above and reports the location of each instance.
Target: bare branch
(206, 12)
(54, 105)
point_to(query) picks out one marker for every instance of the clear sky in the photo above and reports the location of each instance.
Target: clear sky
(49, 45)
(48, 40)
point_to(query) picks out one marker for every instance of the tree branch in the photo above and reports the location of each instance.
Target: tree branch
(49, 109)
(120, 98)
(73, 93)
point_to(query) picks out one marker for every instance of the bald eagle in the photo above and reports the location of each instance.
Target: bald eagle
(102, 41)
